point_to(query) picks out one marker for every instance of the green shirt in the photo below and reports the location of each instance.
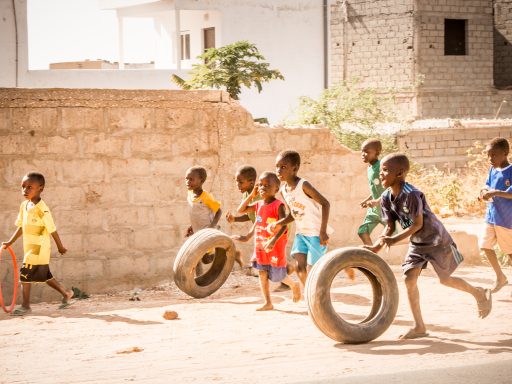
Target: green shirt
(252, 215)
(375, 184)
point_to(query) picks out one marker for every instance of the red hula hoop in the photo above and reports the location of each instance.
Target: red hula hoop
(15, 281)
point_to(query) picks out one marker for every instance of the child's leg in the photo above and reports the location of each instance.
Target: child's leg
(482, 296)
(413, 294)
(365, 238)
(25, 287)
(238, 259)
(302, 267)
(265, 289)
(295, 288)
(501, 279)
(66, 295)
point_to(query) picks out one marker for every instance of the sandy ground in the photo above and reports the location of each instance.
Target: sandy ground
(223, 339)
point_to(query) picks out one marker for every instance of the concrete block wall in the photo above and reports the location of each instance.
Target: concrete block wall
(372, 41)
(503, 43)
(447, 147)
(115, 162)
(472, 70)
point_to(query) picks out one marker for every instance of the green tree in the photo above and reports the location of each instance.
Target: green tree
(350, 112)
(232, 66)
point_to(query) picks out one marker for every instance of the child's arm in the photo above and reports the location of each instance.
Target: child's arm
(490, 193)
(417, 224)
(13, 238)
(60, 247)
(389, 229)
(320, 199)
(269, 245)
(236, 219)
(216, 218)
(247, 237)
(245, 206)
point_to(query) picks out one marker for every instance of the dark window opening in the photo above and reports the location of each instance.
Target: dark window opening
(209, 38)
(455, 32)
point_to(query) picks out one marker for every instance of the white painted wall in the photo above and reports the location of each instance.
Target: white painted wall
(287, 32)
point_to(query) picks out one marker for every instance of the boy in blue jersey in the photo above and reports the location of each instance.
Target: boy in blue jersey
(498, 193)
(430, 242)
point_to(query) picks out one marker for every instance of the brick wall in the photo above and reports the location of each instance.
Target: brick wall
(503, 43)
(115, 162)
(372, 41)
(447, 146)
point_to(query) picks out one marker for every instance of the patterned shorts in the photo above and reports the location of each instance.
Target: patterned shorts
(35, 273)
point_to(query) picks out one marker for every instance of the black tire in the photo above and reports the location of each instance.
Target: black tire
(190, 255)
(384, 287)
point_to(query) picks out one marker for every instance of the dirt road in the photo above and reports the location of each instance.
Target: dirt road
(223, 339)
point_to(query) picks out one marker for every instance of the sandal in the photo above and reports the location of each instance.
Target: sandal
(21, 311)
(485, 306)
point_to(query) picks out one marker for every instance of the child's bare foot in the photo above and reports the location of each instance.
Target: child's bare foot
(484, 303)
(266, 307)
(414, 334)
(296, 293)
(66, 300)
(500, 283)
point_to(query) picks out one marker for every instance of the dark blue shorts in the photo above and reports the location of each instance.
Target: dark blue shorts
(275, 274)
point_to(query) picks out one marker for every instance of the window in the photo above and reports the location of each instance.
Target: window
(209, 38)
(185, 46)
(455, 32)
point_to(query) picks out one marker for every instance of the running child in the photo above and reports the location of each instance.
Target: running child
(498, 193)
(269, 256)
(370, 152)
(204, 210)
(429, 240)
(36, 224)
(310, 211)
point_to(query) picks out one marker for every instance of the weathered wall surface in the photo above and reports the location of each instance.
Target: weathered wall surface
(503, 43)
(447, 146)
(115, 163)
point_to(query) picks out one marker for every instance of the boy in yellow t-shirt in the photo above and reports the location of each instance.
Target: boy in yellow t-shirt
(36, 224)
(204, 210)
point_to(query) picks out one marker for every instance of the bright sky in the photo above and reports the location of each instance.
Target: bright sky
(75, 30)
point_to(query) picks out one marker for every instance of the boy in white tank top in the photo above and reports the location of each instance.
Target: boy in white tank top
(310, 211)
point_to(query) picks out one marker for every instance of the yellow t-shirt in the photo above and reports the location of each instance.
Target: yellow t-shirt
(202, 209)
(37, 224)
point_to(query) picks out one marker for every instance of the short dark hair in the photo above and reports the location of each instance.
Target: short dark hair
(248, 172)
(36, 176)
(271, 176)
(499, 143)
(372, 143)
(398, 158)
(292, 156)
(201, 171)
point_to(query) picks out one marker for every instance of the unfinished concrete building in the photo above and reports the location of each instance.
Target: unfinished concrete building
(442, 58)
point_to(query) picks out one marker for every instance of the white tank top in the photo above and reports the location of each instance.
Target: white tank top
(306, 211)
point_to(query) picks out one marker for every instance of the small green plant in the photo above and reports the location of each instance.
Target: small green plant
(351, 112)
(230, 67)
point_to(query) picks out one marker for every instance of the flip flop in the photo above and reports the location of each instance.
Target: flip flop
(412, 334)
(485, 306)
(21, 311)
(67, 304)
(499, 285)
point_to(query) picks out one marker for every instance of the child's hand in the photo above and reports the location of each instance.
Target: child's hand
(375, 248)
(62, 250)
(373, 203)
(239, 238)
(255, 189)
(230, 217)
(387, 240)
(364, 203)
(269, 245)
(189, 232)
(487, 194)
(324, 238)
(6, 244)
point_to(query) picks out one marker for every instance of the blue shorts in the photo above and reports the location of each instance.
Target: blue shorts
(275, 274)
(310, 246)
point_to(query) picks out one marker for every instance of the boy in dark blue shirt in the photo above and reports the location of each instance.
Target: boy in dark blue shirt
(430, 242)
(498, 193)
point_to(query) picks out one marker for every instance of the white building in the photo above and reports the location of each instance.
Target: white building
(291, 34)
